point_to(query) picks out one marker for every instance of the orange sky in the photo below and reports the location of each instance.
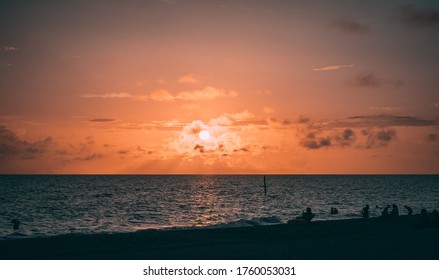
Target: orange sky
(280, 87)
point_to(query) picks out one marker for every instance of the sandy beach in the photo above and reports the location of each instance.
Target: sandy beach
(356, 239)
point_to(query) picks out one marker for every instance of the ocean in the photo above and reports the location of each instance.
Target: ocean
(48, 205)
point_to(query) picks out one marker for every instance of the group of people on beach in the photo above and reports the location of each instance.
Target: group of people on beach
(424, 221)
(385, 213)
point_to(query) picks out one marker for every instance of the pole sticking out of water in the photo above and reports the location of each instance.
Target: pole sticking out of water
(265, 186)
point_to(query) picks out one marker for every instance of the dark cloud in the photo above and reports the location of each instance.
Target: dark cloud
(11, 147)
(414, 16)
(380, 138)
(338, 139)
(388, 120)
(302, 119)
(92, 156)
(367, 80)
(199, 148)
(312, 141)
(245, 150)
(431, 137)
(102, 120)
(349, 25)
(346, 138)
(371, 80)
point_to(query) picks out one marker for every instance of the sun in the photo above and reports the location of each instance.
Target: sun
(204, 135)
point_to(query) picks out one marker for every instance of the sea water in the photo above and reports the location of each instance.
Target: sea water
(48, 205)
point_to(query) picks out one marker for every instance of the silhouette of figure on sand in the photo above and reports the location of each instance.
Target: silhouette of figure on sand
(308, 215)
(15, 224)
(435, 218)
(423, 221)
(385, 212)
(365, 211)
(395, 211)
(409, 210)
(334, 211)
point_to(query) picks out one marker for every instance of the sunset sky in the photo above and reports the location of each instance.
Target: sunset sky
(192, 86)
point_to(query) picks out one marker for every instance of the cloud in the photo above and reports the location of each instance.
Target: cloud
(208, 93)
(313, 142)
(108, 95)
(367, 80)
(383, 108)
(420, 17)
(8, 48)
(389, 120)
(370, 80)
(161, 96)
(432, 137)
(273, 122)
(333, 67)
(349, 25)
(92, 156)
(188, 79)
(102, 120)
(268, 110)
(302, 119)
(191, 106)
(11, 147)
(380, 138)
(346, 138)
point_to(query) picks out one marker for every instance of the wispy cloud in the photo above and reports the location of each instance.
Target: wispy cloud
(102, 120)
(383, 108)
(162, 95)
(108, 95)
(412, 15)
(389, 120)
(187, 79)
(432, 137)
(208, 93)
(367, 80)
(268, 110)
(333, 67)
(349, 25)
(371, 80)
(8, 48)
(5, 64)
(92, 156)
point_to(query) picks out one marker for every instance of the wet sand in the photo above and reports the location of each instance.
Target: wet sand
(356, 239)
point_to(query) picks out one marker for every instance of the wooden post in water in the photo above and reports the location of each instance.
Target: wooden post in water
(265, 186)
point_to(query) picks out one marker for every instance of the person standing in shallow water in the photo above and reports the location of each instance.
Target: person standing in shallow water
(365, 211)
(409, 210)
(15, 224)
(395, 211)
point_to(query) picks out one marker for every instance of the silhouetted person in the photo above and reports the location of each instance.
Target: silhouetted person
(334, 210)
(385, 212)
(409, 210)
(365, 211)
(15, 224)
(435, 218)
(395, 211)
(423, 221)
(308, 215)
